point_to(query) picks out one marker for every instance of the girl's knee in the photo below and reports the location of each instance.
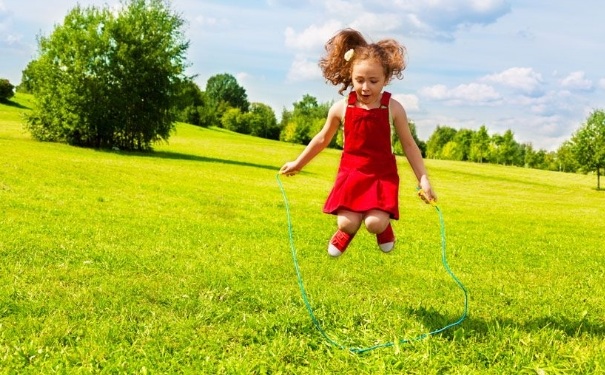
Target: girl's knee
(349, 222)
(376, 224)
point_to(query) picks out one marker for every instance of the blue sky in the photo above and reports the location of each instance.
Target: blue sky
(535, 67)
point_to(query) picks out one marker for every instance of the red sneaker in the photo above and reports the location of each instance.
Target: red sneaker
(386, 239)
(339, 243)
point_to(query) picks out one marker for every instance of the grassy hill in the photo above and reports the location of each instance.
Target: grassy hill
(178, 261)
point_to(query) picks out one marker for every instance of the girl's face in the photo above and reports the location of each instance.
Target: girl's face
(368, 82)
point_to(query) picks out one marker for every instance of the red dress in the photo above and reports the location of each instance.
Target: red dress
(367, 176)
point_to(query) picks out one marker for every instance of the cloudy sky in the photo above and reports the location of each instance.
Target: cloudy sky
(532, 66)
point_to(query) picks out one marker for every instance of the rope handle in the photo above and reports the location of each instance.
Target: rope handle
(423, 196)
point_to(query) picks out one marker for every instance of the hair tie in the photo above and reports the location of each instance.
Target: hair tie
(349, 54)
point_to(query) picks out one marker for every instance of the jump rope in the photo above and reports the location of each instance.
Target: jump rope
(358, 350)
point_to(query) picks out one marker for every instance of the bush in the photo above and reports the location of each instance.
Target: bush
(6, 90)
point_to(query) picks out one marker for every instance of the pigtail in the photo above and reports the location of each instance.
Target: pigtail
(335, 68)
(393, 58)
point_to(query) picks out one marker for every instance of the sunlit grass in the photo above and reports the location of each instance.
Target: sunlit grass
(179, 262)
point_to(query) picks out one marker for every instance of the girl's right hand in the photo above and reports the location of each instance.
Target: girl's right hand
(289, 169)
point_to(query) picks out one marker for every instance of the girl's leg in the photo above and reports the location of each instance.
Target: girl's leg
(348, 224)
(379, 223)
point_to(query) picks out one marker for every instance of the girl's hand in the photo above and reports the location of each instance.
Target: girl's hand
(289, 169)
(428, 195)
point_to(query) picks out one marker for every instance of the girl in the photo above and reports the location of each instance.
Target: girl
(367, 184)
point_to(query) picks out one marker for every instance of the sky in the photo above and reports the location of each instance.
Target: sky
(532, 66)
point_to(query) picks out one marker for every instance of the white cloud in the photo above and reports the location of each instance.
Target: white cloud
(211, 21)
(409, 101)
(441, 18)
(576, 81)
(602, 83)
(313, 37)
(379, 23)
(303, 69)
(525, 80)
(466, 94)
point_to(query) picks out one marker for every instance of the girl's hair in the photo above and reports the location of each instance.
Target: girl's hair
(337, 70)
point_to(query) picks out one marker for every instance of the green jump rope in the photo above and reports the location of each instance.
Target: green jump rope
(387, 344)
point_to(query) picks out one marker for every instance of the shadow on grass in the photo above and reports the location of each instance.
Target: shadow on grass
(435, 320)
(571, 328)
(14, 104)
(204, 159)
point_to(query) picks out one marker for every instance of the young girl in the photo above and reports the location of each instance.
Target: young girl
(367, 184)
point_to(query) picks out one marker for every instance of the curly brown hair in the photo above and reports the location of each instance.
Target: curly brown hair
(338, 71)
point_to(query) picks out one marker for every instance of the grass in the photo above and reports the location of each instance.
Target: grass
(178, 262)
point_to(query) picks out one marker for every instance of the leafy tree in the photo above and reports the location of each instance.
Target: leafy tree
(440, 137)
(464, 139)
(505, 150)
(533, 158)
(565, 158)
(6, 90)
(106, 79)
(189, 103)
(480, 145)
(588, 144)
(305, 121)
(262, 122)
(452, 151)
(233, 120)
(223, 92)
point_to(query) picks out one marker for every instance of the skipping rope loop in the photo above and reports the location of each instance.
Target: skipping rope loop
(387, 344)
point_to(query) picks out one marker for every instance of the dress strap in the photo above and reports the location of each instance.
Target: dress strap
(352, 98)
(386, 97)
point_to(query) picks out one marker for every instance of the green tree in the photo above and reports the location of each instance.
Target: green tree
(106, 79)
(452, 151)
(588, 144)
(505, 150)
(480, 145)
(566, 159)
(190, 103)
(464, 139)
(6, 90)
(262, 122)
(233, 119)
(305, 121)
(440, 137)
(224, 92)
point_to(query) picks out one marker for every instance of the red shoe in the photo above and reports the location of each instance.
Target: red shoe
(386, 239)
(339, 243)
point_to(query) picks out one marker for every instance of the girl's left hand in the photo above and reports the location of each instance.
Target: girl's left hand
(428, 196)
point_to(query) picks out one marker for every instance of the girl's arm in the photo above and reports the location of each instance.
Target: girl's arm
(412, 152)
(320, 141)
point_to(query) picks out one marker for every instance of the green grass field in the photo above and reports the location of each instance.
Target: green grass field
(178, 261)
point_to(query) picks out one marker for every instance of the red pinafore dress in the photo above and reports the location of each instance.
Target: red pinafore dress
(367, 177)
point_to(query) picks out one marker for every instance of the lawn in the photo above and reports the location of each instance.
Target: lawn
(179, 261)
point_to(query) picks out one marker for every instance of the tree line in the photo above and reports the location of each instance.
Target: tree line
(109, 79)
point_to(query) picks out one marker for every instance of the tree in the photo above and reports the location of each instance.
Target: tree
(262, 122)
(565, 158)
(480, 145)
(305, 121)
(440, 137)
(223, 92)
(105, 79)
(464, 139)
(6, 90)
(588, 144)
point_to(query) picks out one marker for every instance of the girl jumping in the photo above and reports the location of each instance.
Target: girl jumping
(367, 184)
